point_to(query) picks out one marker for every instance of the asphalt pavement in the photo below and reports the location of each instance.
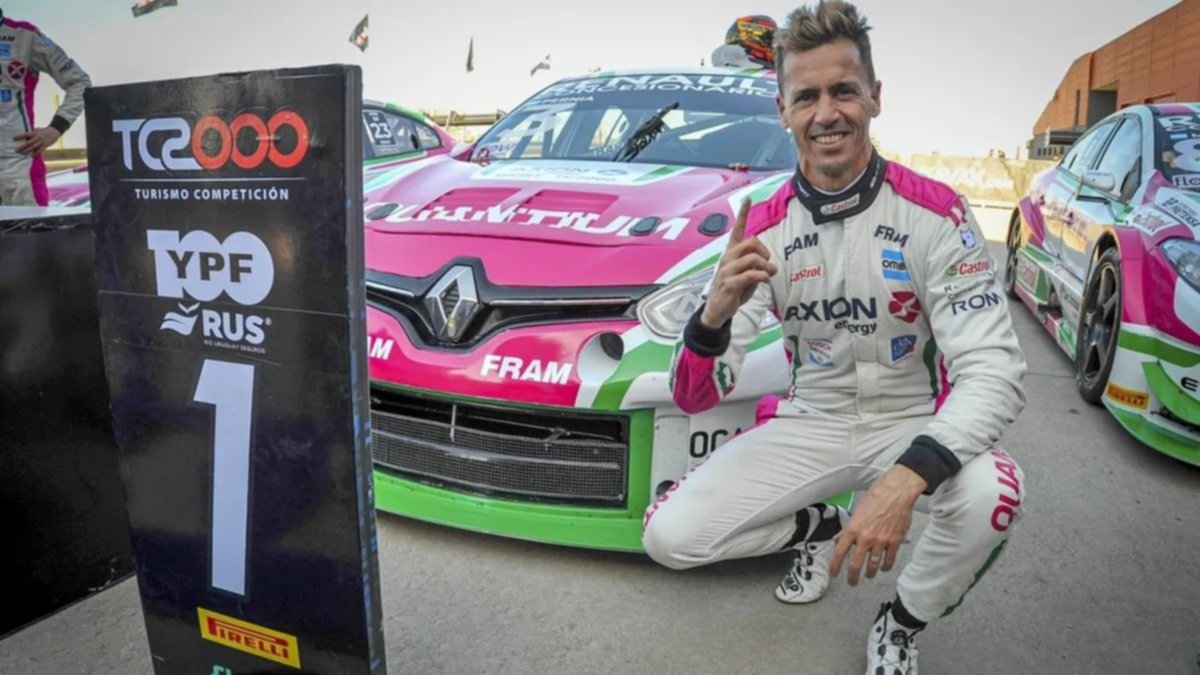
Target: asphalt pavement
(1101, 576)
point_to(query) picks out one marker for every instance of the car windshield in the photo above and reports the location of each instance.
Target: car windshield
(1177, 142)
(720, 119)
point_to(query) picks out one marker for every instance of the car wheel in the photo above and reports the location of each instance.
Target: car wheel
(1099, 324)
(1013, 244)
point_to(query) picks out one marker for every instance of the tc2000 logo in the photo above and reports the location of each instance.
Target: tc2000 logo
(197, 266)
(221, 146)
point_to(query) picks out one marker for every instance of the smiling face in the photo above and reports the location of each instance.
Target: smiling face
(827, 102)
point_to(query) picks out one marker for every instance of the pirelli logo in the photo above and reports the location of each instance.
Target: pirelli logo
(1133, 399)
(247, 637)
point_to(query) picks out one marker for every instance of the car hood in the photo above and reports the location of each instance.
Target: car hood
(553, 223)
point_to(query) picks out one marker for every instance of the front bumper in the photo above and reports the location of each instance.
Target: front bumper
(483, 508)
(1167, 418)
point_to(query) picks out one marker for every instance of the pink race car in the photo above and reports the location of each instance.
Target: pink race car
(1105, 251)
(525, 296)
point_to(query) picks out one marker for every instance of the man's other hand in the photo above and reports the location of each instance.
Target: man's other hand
(878, 525)
(37, 140)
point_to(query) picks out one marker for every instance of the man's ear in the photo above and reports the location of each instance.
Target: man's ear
(876, 98)
(782, 117)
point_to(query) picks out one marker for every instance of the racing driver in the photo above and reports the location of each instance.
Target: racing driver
(905, 369)
(24, 53)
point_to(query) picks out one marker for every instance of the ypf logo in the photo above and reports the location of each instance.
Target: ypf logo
(203, 267)
(212, 142)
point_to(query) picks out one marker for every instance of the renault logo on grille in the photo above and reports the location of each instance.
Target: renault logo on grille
(452, 303)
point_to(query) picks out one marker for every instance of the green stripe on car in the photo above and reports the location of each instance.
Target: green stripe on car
(1170, 394)
(659, 173)
(1156, 347)
(648, 357)
(1163, 440)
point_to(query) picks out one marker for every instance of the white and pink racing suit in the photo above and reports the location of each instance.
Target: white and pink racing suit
(24, 54)
(901, 351)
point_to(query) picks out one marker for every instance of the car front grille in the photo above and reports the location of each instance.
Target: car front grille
(500, 307)
(541, 456)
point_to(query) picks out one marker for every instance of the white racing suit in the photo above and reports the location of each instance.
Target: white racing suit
(901, 351)
(24, 53)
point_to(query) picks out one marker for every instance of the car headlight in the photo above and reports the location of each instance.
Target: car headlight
(1184, 255)
(666, 311)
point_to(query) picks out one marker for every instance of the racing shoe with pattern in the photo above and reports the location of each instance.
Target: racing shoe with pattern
(808, 577)
(891, 647)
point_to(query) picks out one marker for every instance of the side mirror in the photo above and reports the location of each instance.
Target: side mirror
(1102, 181)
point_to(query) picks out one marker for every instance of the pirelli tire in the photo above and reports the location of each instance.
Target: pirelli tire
(1099, 326)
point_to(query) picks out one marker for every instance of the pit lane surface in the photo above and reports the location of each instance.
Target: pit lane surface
(1101, 576)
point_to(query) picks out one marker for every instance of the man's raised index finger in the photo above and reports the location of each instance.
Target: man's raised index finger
(739, 225)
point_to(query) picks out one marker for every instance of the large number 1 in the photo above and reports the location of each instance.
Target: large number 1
(229, 388)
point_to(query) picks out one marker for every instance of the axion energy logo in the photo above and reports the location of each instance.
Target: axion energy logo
(247, 142)
(249, 638)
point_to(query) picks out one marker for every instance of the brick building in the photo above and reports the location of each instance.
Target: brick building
(1158, 61)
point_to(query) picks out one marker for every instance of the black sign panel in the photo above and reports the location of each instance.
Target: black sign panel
(229, 261)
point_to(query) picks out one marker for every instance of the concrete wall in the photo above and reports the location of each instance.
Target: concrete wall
(984, 180)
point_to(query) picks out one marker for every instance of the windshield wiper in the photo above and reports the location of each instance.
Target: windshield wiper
(644, 135)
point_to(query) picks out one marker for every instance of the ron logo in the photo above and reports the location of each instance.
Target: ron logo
(249, 638)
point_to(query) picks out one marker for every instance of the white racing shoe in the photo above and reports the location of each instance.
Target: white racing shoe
(891, 648)
(809, 577)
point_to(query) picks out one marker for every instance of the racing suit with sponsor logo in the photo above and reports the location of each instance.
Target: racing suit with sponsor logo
(901, 351)
(24, 54)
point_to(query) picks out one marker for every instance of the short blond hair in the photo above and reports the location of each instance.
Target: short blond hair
(811, 27)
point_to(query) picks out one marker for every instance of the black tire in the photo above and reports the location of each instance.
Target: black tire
(1012, 245)
(1099, 325)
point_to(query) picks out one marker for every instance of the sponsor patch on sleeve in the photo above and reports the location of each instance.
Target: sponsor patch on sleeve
(968, 237)
(902, 346)
(820, 352)
(893, 265)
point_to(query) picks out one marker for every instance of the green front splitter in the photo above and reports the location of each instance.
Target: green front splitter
(613, 529)
(1171, 444)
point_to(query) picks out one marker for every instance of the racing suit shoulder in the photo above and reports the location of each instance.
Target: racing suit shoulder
(925, 192)
(770, 212)
(21, 25)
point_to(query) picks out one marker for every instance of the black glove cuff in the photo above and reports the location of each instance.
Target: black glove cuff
(931, 461)
(705, 341)
(60, 124)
